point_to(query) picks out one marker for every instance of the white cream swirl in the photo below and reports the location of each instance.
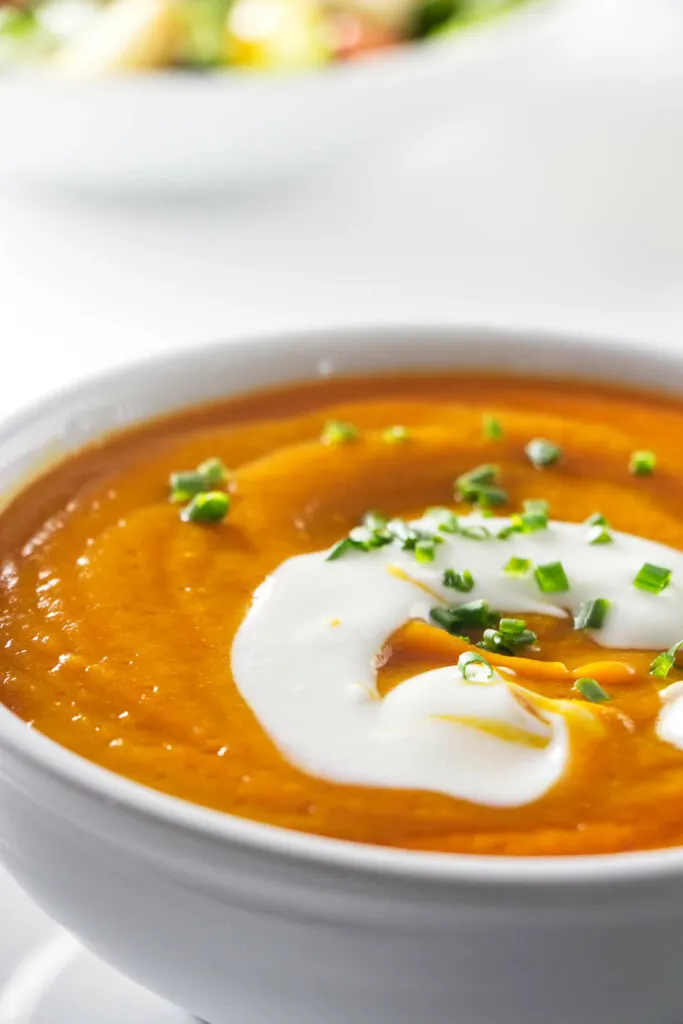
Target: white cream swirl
(304, 660)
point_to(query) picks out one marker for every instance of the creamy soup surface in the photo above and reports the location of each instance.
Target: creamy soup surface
(437, 612)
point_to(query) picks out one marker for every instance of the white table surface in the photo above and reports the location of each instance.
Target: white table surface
(556, 205)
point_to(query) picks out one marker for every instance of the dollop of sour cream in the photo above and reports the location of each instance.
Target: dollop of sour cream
(304, 659)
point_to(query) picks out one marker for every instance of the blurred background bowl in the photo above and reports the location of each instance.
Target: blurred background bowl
(178, 130)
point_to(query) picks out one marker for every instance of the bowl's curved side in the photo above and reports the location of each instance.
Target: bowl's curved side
(229, 918)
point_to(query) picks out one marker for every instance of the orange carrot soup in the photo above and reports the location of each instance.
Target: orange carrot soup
(430, 612)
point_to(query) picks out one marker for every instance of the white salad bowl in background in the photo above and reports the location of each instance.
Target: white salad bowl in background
(237, 921)
(180, 130)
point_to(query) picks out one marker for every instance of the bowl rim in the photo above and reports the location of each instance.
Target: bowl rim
(142, 802)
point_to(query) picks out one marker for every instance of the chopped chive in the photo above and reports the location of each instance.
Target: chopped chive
(591, 690)
(494, 642)
(425, 549)
(366, 539)
(653, 578)
(511, 626)
(510, 635)
(400, 530)
(447, 520)
(396, 434)
(209, 475)
(542, 453)
(599, 535)
(551, 578)
(485, 474)
(207, 507)
(373, 533)
(533, 518)
(374, 520)
(342, 548)
(469, 660)
(476, 532)
(214, 472)
(335, 432)
(478, 486)
(490, 496)
(185, 485)
(518, 566)
(642, 463)
(664, 662)
(599, 529)
(592, 614)
(515, 633)
(536, 507)
(410, 537)
(493, 431)
(464, 582)
(474, 613)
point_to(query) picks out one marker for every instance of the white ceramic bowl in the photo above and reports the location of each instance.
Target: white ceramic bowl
(170, 131)
(236, 921)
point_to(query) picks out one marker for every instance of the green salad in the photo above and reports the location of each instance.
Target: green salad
(85, 37)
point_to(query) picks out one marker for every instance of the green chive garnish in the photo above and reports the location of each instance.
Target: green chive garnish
(185, 485)
(492, 429)
(551, 578)
(207, 507)
(599, 529)
(664, 662)
(214, 473)
(396, 434)
(374, 520)
(536, 507)
(373, 533)
(470, 659)
(425, 549)
(335, 432)
(533, 518)
(652, 578)
(206, 477)
(591, 690)
(518, 566)
(642, 463)
(421, 542)
(463, 582)
(592, 614)
(447, 520)
(542, 453)
(485, 474)
(476, 532)
(599, 535)
(341, 548)
(510, 636)
(478, 486)
(453, 619)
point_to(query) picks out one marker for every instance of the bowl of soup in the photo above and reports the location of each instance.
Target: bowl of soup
(339, 676)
